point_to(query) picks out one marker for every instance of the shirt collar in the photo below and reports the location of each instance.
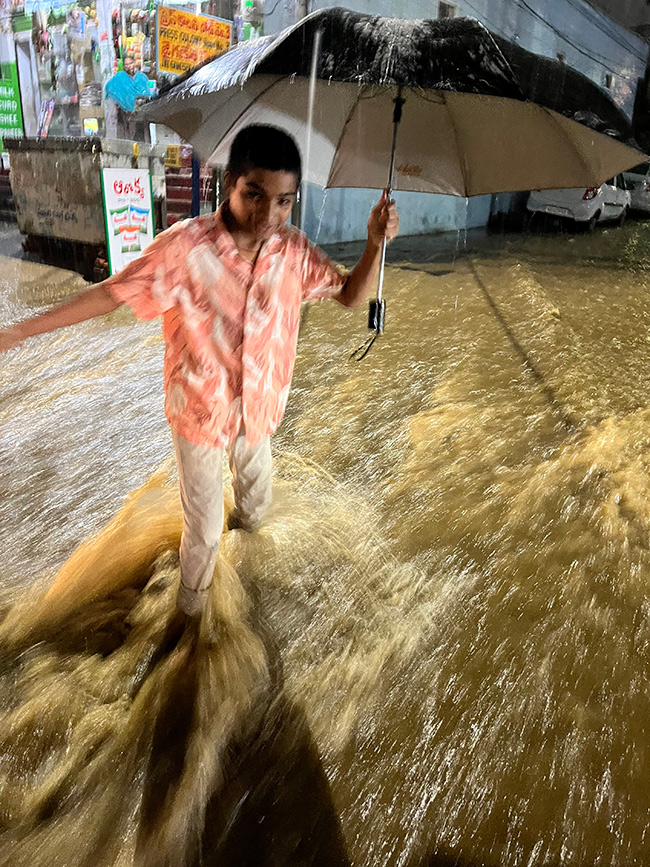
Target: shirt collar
(223, 240)
(226, 246)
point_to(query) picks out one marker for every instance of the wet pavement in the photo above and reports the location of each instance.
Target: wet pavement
(442, 629)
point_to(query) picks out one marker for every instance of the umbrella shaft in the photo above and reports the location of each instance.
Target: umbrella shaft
(397, 116)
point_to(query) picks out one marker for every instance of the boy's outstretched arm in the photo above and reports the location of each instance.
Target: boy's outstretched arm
(92, 302)
(383, 223)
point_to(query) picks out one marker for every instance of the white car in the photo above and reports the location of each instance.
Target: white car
(611, 201)
(638, 183)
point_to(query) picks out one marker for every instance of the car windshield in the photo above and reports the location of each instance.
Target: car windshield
(641, 169)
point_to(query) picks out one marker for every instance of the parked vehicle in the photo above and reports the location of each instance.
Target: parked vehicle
(586, 207)
(638, 183)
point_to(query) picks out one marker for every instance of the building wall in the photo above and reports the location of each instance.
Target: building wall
(588, 40)
(338, 215)
(572, 30)
(631, 14)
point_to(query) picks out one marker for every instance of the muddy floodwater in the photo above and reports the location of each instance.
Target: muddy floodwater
(436, 650)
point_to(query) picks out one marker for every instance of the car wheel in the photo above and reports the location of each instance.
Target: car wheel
(590, 225)
(622, 218)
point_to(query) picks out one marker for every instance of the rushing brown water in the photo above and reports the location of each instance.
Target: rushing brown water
(436, 651)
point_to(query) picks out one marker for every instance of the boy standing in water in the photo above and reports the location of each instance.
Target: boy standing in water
(229, 288)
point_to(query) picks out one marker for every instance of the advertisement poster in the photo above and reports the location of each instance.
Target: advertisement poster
(185, 39)
(128, 209)
(11, 114)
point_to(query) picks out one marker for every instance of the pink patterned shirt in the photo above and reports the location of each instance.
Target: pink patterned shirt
(230, 328)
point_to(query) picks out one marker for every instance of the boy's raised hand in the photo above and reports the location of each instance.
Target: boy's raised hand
(383, 221)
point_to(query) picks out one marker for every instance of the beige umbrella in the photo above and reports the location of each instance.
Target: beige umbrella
(459, 144)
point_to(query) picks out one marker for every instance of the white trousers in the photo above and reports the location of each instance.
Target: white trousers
(201, 483)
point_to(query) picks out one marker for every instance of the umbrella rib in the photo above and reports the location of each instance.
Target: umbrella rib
(456, 139)
(552, 114)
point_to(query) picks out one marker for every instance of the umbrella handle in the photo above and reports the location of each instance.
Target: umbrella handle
(382, 264)
(377, 310)
(377, 316)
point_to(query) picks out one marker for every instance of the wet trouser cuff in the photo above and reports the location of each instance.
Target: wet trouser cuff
(191, 602)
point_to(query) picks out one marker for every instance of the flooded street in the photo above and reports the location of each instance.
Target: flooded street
(436, 650)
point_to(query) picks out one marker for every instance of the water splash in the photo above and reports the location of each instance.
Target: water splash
(101, 683)
(448, 601)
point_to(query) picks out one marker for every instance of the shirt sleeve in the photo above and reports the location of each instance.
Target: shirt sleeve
(320, 276)
(148, 283)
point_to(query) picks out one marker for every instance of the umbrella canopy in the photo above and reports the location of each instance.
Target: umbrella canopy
(466, 128)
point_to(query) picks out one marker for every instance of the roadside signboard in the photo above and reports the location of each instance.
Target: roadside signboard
(128, 210)
(185, 39)
(11, 114)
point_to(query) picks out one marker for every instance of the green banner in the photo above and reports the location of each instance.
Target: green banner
(11, 114)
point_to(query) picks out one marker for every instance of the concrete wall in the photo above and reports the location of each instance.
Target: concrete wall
(341, 215)
(57, 184)
(583, 36)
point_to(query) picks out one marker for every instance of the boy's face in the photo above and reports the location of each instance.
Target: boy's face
(261, 200)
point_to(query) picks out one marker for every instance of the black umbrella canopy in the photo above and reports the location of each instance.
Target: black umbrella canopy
(468, 126)
(450, 54)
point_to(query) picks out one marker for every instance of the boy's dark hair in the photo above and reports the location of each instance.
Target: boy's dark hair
(263, 147)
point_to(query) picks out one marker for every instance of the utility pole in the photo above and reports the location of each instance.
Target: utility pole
(106, 61)
(302, 9)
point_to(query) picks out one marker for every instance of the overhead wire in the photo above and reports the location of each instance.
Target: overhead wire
(599, 58)
(596, 18)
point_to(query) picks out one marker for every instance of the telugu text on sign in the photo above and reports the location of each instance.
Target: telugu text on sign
(185, 39)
